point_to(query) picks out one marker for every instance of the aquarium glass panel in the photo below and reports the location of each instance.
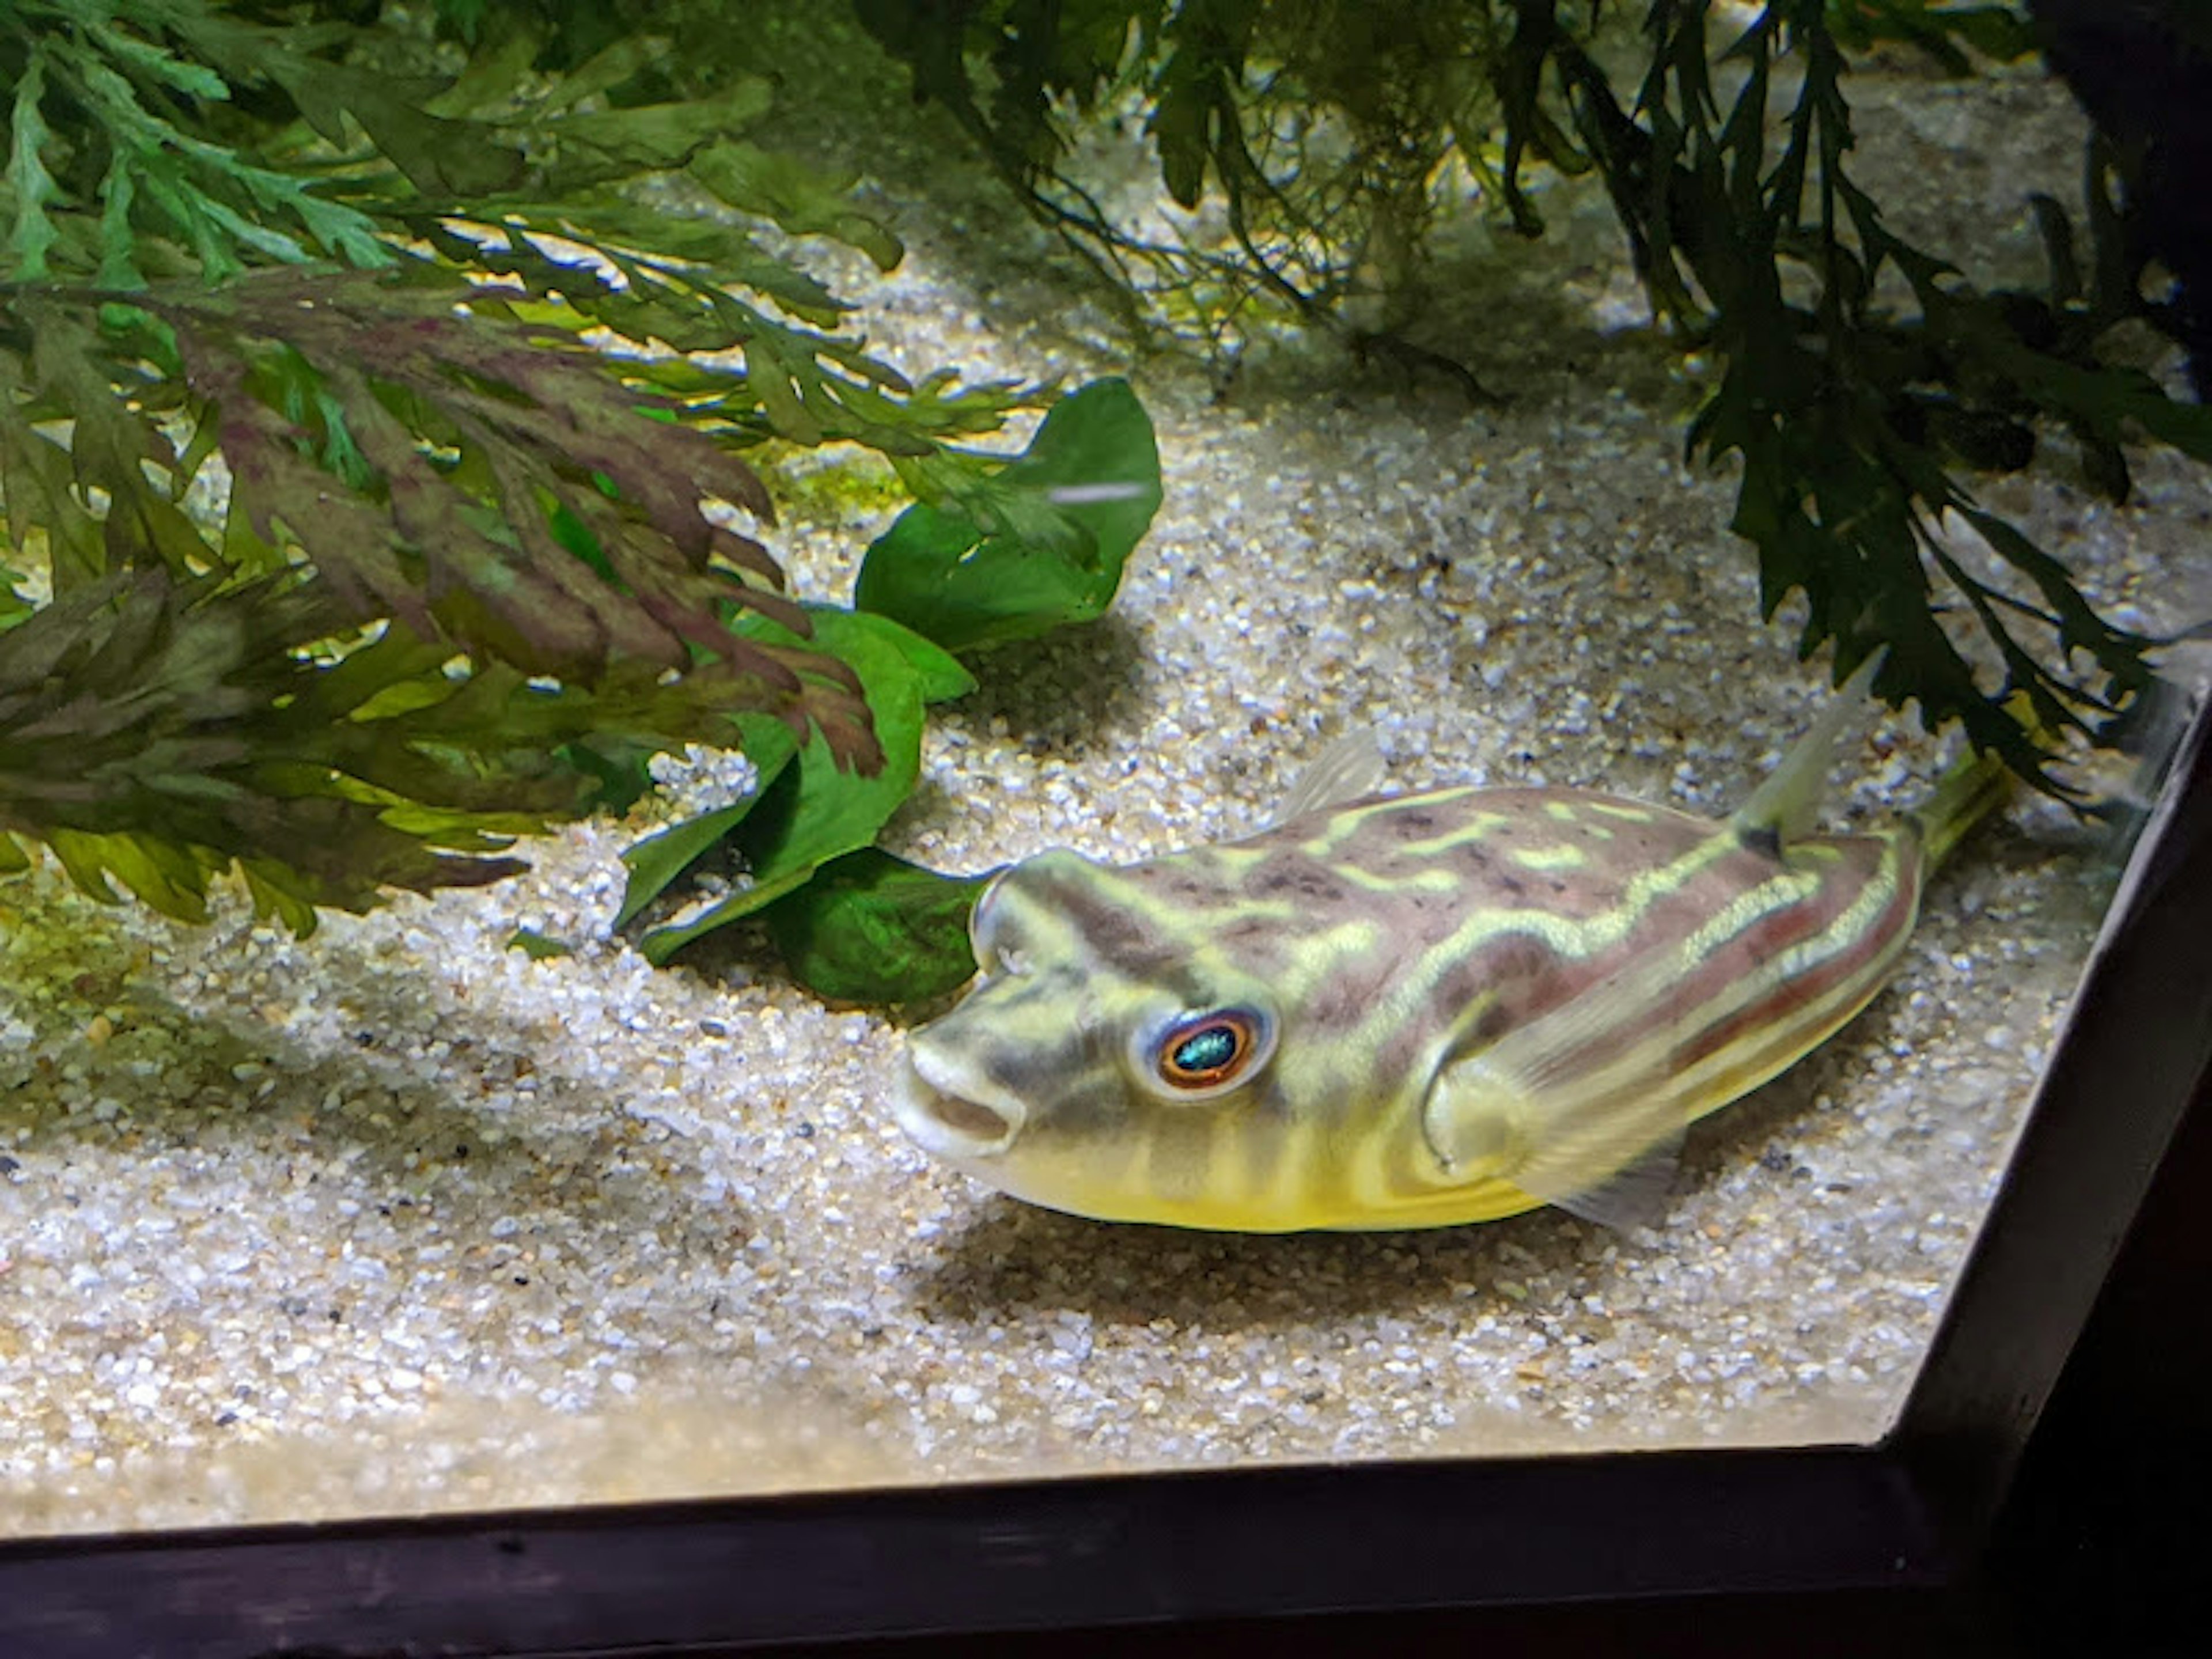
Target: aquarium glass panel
(855, 757)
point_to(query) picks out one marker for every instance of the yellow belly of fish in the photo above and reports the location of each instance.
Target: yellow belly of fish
(1481, 1200)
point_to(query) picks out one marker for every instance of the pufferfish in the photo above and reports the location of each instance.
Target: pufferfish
(1387, 1010)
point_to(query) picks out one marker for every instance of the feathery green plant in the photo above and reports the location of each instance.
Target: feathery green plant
(373, 400)
(1862, 377)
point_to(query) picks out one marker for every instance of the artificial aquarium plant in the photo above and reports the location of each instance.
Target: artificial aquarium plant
(376, 390)
(1860, 376)
(1038, 542)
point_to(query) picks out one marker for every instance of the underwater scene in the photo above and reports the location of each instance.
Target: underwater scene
(807, 771)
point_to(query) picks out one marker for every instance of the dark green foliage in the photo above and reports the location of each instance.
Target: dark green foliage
(807, 809)
(1323, 130)
(1319, 126)
(872, 928)
(423, 453)
(158, 728)
(1012, 558)
(112, 106)
(536, 946)
(1061, 518)
(663, 858)
(1948, 33)
(369, 446)
(1851, 418)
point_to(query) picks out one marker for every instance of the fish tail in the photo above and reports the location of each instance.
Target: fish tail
(1973, 788)
(1967, 793)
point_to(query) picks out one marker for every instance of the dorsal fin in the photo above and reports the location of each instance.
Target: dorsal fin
(1784, 808)
(1349, 767)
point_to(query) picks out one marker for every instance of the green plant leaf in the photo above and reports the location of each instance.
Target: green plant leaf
(154, 732)
(938, 675)
(411, 447)
(1040, 544)
(27, 179)
(449, 161)
(662, 857)
(815, 810)
(173, 878)
(2003, 33)
(775, 186)
(658, 860)
(616, 766)
(157, 733)
(873, 928)
(130, 111)
(14, 607)
(538, 947)
(651, 135)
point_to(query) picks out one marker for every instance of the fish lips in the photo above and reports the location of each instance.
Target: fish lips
(951, 1114)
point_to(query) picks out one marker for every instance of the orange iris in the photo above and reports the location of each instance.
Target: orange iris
(1208, 1049)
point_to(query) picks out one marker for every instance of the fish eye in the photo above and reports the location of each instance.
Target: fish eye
(1204, 1054)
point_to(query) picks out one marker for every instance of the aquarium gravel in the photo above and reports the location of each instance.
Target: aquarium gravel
(398, 1218)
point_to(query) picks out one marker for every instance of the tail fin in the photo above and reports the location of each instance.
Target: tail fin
(1967, 793)
(1976, 787)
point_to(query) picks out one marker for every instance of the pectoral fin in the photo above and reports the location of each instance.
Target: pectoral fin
(1476, 1120)
(1569, 1109)
(1632, 1197)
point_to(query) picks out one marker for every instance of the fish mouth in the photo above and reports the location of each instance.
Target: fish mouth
(951, 1115)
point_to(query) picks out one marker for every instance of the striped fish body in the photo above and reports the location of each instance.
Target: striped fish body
(1411, 1010)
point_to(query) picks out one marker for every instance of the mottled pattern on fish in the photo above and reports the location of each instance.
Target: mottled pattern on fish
(1477, 1000)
